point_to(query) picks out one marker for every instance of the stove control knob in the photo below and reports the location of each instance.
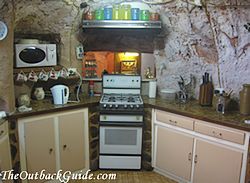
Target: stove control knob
(125, 106)
(116, 106)
(131, 106)
(137, 106)
(110, 106)
(104, 105)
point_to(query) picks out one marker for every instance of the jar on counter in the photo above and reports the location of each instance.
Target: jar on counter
(245, 100)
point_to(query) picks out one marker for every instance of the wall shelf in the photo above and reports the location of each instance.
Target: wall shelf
(121, 24)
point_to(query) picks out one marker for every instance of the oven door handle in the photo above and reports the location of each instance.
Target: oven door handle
(136, 124)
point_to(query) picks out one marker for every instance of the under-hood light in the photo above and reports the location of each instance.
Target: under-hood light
(131, 54)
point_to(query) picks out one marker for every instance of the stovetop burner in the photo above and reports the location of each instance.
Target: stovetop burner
(121, 99)
(121, 103)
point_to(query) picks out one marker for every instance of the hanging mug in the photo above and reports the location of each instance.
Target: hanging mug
(53, 74)
(63, 73)
(43, 76)
(32, 76)
(21, 77)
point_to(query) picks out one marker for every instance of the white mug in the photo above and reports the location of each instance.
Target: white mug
(53, 74)
(21, 76)
(32, 76)
(43, 76)
(63, 73)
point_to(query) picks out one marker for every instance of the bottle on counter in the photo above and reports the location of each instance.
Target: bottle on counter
(245, 100)
(91, 88)
(220, 106)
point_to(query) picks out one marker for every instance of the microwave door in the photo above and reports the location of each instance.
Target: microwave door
(32, 55)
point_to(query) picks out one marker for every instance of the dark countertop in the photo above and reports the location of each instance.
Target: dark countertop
(194, 110)
(46, 106)
(191, 109)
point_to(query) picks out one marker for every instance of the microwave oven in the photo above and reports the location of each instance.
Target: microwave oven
(35, 55)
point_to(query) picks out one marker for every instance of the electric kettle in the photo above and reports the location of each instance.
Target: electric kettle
(60, 94)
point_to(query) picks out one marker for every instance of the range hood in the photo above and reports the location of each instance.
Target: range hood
(121, 35)
(121, 24)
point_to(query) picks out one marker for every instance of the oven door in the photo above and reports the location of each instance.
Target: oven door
(120, 140)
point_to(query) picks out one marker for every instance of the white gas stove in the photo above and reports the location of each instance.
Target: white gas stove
(121, 122)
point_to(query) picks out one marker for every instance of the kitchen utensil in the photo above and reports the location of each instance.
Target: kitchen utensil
(60, 94)
(206, 91)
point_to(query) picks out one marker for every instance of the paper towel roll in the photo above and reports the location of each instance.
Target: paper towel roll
(152, 89)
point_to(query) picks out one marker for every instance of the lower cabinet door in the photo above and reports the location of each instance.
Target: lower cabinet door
(40, 145)
(216, 164)
(72, 141)
(174, 152)
(5, 159)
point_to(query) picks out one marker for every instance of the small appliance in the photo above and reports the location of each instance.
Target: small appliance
(35, 55)
(60, 94)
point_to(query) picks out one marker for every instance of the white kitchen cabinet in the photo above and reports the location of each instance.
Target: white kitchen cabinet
(174, 152)
(5, 158)
(202, 154)
(39, 138)
(54, 141)
(217, 164)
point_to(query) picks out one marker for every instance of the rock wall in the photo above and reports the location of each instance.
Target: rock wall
(6, 59)
(209, 39)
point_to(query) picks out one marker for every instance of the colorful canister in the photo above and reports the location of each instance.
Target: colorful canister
(116, 12)
(135, 13)
(89, 15)
(126, 12)
(99, 14)
(154, 16)
(144, 15)
(108, 13)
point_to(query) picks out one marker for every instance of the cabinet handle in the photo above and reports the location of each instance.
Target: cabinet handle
(64, 146)
(195, 159)
(173, 122)
(1, 132)
(189, 156)
(50, 150)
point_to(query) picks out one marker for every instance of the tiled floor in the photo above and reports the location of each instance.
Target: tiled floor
(129, 177)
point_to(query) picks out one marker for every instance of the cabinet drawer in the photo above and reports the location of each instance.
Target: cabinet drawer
(3, 129)
(220, 132)
(175, 119)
